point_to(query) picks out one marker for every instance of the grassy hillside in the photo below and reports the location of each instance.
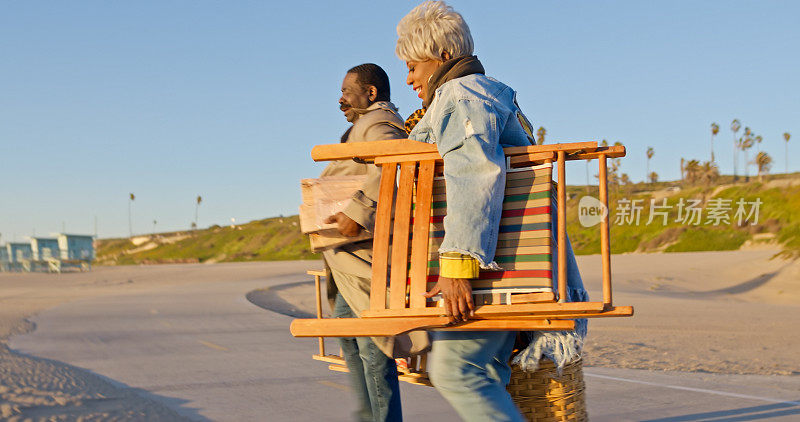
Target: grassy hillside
(280, 238)
(778, 219)
(271, 239)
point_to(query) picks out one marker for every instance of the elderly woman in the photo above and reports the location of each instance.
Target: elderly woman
(471, 117)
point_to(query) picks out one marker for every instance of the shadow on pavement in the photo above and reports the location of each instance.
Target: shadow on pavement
(752, 413)
(743, 287)
(269, 299)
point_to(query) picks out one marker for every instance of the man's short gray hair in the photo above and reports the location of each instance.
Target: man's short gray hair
(429, 30)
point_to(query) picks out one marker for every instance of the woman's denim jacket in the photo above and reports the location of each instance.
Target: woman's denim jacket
(470, 120)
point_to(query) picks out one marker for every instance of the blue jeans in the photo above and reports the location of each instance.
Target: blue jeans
(373, 375)
(470, 369)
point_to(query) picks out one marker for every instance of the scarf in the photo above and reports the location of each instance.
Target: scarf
(449, 70)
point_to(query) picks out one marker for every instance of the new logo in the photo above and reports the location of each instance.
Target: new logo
(591, 211)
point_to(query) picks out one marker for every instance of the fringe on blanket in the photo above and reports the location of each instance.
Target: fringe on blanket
(562, 347)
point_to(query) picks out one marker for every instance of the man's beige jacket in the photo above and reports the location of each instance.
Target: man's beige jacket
(351, 264)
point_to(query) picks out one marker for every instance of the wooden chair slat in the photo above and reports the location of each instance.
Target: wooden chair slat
(562, 228)
(615, 151)
(561, 147)
(370, 150)
(400, 147)
(408, 157)
(605, 241)
(380, 246)
(402, 218)
(347, 327)
(374, 327)
(419, 243)
(543, 310)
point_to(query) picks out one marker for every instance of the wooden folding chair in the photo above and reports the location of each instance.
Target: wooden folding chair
(405, 242)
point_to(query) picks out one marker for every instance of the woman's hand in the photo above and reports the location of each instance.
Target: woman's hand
(457, 296)
(346, 225)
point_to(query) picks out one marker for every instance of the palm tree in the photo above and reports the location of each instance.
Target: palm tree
(764, 162)
(130, 224)
(709, 172)
(693, 171)
(613, 173)
(758, 140)
(747, 143)
(616, 164)
(154, 226)
(683, 167)
(653, 177)
(735, 126)
(650, 153)
(714, 132)
(613, 168)
(603, 143)
(540, 134)
(786, 137)
(196, 208)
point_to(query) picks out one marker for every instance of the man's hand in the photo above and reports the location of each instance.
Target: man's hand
(346, 225)
(457, 296)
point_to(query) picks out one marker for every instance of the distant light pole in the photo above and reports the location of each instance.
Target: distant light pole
(587, 176)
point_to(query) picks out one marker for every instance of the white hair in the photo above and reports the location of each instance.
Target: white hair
(429, 30)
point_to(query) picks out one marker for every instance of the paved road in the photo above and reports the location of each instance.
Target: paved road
(209, 354)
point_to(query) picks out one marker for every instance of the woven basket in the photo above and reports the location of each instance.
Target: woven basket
(545, 396)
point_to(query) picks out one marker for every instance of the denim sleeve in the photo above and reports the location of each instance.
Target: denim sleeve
(474, 171)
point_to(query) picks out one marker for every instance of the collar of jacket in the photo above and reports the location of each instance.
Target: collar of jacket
(378, 105)
(451, 69)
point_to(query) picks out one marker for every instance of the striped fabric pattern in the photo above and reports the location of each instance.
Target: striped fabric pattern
(523, 247)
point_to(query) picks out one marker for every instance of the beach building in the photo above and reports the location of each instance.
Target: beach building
(19, 256)
(76, 247)
(19, 252)
(44, 248)
(3, 258)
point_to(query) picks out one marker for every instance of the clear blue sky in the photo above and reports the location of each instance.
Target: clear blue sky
(174, 99)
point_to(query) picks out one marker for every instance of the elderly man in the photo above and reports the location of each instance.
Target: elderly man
(366, 104)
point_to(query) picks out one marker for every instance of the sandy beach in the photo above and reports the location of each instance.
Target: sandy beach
(719, 312)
